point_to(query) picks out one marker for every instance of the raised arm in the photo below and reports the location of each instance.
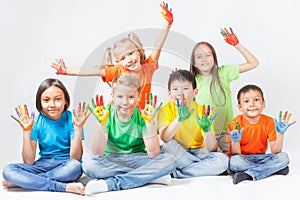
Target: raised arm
(281, 125)
(162, 36)
(205, 122)
(101, 114)
(26, 122)
(251, 60)
(62, 69)
(78, 120)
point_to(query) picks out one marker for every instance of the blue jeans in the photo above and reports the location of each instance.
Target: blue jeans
(126, 171)
(44, 174)
(259, 166)
(196, 162)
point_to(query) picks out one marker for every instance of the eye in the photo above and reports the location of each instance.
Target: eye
(246, 101)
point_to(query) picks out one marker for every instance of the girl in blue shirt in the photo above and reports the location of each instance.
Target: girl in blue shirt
(58, 134)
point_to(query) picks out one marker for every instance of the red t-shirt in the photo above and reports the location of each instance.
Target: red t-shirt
(255, 137)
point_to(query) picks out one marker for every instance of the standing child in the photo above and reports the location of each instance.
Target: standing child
(213, 81)
(186, 128)
(126, 149)
(249, 136)
(130, 57)
(58, 134)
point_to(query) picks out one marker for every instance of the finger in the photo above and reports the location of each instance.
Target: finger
(83, 107)
(280, 116)
(237, 125)
(26, 110)
(32, 115)
(86, 109)
(79, 107)
(284, 116)
(231, 30)
(203, 110)
(15, 118)
(93, 103)
(151, 100)
(228, 33)
(288, 118)
(21, 110)
(54, 65)
(101, 101)
(223, 33)
(97, 100)
(292, 123)
(178, 107)
(155, 101)
(208, 111)
(213, 117)
(74, 113)
(18, 112)
(57, 61)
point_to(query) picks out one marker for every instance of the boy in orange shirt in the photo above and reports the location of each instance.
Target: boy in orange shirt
(249, 134)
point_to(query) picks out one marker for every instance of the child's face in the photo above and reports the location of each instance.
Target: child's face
(251, 104)
(53, 102)
(179, 89)
(131, 60)
(125, 99)
(204, 59)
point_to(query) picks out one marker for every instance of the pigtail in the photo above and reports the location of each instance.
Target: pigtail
(137, 42)
(107, 59)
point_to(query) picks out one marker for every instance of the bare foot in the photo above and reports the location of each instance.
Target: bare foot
(76, 188)
(8, 185)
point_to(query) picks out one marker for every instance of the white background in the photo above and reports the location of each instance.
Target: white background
(33, 33)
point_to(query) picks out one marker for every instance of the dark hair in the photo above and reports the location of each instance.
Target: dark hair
(216, 90)
(182, 75)
(246, 88)
(47, 83)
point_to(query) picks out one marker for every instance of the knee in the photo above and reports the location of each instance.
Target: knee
(8, 171)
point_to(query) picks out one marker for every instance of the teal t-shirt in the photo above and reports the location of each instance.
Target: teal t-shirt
(227, 74)
(54, 136)
(125, 137)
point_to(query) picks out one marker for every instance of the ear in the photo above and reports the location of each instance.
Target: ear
(240, 107)
(196, 91)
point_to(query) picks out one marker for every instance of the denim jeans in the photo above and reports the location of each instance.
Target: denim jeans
(44, 174)
(126, 171)
(259, 166)
(196, 162)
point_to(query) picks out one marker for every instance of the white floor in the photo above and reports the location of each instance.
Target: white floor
(217, 187)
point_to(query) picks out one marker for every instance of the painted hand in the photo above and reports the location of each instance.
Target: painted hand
(81, 115)
(206, 118)
(183, 110)
(24, 119)
(229, 37)
(166, 13)
(99, 111)
(60, 66)
(235, 134)
(282, 124)
(150, 110)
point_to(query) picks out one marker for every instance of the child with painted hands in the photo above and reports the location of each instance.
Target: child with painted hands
(59, 134)
(213, 80)
(186, 128)
(126, 135)
(251, 133)
(130, 57)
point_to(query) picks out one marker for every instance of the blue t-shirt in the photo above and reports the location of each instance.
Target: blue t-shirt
(54, 136)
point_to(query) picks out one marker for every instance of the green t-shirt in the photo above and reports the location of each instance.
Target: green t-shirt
(125, 137)
(227, 74)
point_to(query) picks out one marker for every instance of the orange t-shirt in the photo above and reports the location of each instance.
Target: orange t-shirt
(255, 137)
(144, 75)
